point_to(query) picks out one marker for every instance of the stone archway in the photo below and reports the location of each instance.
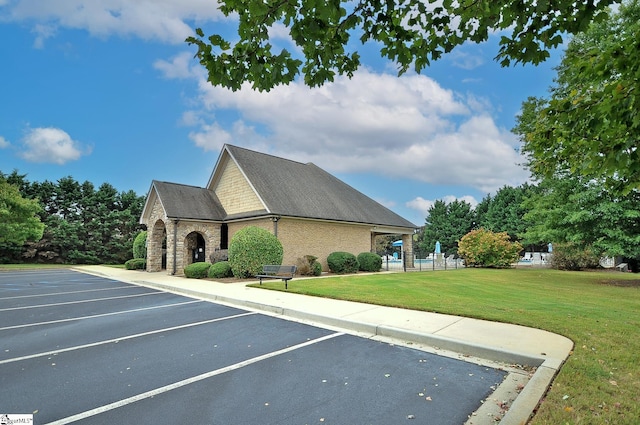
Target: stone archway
(157, 247)
(195, 248)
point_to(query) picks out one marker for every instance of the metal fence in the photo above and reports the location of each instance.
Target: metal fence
(420, 262)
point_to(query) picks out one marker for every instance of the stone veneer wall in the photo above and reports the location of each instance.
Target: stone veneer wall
(209, 231)
(155, 232)
(156, 226)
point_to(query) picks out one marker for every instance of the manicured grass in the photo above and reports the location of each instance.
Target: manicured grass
(598, 311)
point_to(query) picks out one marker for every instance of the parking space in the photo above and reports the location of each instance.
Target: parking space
(75, 347)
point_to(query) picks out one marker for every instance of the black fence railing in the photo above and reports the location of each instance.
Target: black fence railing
(419, 261)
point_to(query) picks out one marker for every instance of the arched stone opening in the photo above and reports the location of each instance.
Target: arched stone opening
(195, 248)
(157, 247)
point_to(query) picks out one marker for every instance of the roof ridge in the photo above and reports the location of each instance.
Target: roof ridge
(268, 154)
(180, 184)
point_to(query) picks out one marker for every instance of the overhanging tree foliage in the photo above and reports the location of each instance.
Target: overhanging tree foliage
(591, 123)
(411, 33)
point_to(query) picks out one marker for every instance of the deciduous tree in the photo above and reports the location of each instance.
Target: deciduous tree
(590, 125)
(19, 219)
(411, 33)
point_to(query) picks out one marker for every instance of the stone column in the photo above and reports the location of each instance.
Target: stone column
(407, 247)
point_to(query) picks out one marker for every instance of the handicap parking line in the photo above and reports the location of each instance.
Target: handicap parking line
(184, 382)
(82, 301)
(124, 338)
(93, 316)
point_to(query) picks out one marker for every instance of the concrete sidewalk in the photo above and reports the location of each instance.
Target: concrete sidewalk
(497, 342)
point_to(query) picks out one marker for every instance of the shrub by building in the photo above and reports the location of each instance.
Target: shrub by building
(369, 262)
(220, 270)
(135, 264)
(251, 248)
(342, 262)
(140, 245)
(197, 270)
(308, 266)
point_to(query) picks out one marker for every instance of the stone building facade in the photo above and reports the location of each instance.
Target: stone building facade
(310, 212)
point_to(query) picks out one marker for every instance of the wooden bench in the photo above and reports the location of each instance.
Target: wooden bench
(277, 272)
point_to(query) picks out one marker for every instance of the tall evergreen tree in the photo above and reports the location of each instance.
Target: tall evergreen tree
(446, 223)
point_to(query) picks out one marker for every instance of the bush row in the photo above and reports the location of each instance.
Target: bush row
(345, 262)
(339, 262)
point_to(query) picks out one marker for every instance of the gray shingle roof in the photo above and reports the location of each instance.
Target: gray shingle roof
(188, 202)
(291, 188)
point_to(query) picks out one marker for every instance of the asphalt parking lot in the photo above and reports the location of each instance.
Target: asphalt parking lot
(77, 347)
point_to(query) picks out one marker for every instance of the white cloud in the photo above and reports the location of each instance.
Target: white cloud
(51, 145)
(179, 67)
(211, 137)
(407, 127)
(4, 143)
(162, 20)
(422, 205)
(465, 60)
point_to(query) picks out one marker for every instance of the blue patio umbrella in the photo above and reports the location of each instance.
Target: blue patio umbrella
(397, 243)
(438, 247)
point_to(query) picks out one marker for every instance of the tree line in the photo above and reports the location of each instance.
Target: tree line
(447, 223)
(571, 214)
(80, 224)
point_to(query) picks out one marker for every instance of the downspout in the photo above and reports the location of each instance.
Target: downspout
(175, 244)
(275, 225)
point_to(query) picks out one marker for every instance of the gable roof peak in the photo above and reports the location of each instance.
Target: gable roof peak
(291, 188)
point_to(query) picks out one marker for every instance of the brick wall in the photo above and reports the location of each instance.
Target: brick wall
(308, 237)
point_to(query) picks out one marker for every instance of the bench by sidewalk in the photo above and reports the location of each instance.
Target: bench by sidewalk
(271, 271)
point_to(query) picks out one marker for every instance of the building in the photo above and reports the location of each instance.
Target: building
(309, 210)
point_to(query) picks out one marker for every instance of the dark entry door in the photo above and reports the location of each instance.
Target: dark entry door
(199, 252)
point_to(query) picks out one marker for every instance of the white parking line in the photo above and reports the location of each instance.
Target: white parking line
(50, 322)
(82, 301)
(188, 381)
(123, 338)
(68, 292)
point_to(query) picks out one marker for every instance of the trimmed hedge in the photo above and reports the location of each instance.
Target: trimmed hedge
(197, 270)
(220, 270)
(343, 262)
(369, 262)
(136, 264)
(139, 245)
(251, 248)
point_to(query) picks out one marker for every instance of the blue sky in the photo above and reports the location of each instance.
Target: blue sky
(107, 91)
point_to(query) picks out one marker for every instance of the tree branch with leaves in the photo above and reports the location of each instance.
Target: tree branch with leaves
(411, 33)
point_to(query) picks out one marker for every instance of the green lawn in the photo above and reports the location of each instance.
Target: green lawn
(598, 311)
